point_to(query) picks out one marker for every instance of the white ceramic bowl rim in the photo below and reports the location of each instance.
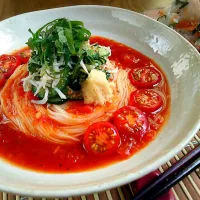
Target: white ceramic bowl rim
(122, 178)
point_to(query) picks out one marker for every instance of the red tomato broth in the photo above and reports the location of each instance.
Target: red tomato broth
(24, 54)
(78, 107)
(38, 155)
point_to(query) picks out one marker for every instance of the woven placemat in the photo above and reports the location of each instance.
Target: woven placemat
(187, 189)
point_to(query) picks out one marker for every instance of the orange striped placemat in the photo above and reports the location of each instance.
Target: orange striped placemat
(187, 189)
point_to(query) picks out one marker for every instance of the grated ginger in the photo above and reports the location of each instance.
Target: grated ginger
(97, 89)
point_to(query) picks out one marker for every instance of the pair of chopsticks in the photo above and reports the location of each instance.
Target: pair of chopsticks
(170, 177)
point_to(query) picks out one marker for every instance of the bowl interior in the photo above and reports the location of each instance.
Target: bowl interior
(178, 59)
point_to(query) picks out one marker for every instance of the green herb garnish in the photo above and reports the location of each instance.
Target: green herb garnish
(61, 60)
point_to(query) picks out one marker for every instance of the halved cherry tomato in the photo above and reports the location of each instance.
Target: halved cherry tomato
(144, 77)
(130, 122)
(146, 100)
(8, 64)
(101, 138)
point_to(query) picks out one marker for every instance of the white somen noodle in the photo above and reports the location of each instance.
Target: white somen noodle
(53, 122)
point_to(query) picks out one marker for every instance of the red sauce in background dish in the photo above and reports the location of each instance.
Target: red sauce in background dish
(32, 153)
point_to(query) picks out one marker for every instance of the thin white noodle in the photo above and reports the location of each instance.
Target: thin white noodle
(31, 118)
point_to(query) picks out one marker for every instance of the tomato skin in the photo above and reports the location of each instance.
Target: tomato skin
(130, 122)
(8, 64)
(147, 100)
(101, 138)
(144, 77)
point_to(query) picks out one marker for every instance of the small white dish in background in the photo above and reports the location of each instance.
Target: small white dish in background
(178, 59)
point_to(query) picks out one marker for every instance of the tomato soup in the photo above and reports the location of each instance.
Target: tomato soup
(38, 155)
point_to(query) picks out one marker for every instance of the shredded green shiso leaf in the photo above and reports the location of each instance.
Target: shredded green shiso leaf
(61, 60)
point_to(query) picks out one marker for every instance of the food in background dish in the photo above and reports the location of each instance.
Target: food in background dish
(73, 102)
(183, 16)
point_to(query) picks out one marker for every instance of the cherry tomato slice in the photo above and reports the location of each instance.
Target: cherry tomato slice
(144, 77)
(146, 100)
(101, 138)
(8, 64)
(130, 122)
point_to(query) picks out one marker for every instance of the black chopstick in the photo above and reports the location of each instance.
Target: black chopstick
(170, 177)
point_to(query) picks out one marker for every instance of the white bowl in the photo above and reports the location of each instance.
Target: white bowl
(178, 59)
